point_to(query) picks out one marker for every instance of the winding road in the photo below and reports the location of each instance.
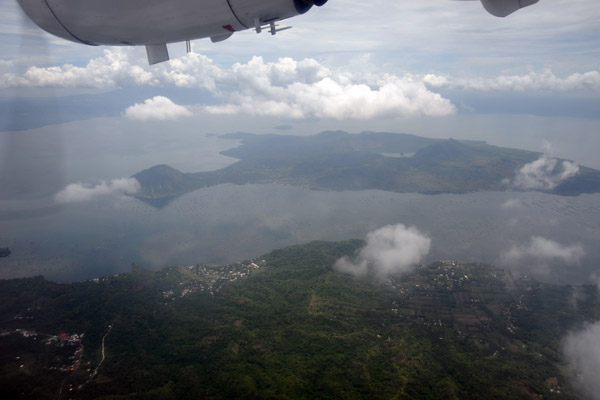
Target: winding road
(103, 353)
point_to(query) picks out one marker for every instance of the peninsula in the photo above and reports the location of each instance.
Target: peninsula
(340, 161)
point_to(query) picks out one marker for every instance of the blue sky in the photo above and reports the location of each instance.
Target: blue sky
(436, 68)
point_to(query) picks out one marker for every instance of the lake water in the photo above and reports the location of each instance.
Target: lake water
(229, 223)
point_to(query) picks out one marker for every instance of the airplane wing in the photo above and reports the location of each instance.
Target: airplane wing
(155, 24)
(503, 8)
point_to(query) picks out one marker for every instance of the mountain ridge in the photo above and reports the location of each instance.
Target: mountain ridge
(288, 325)
(336, 160)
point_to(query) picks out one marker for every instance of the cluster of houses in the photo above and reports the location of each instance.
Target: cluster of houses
(209, 278)
(69, 361)
(445, 294)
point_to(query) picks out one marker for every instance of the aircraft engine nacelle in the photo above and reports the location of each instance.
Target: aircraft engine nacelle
(502, 8)
(153, 22)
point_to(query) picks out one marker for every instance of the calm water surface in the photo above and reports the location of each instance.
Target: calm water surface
(228, 223)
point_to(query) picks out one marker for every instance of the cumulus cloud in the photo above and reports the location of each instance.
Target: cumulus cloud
(540, 253)
(582, 350)
(512, 203)
(80, 192)
(286, 87)
(307, 88)
(158, 108)
(391, 250)
(543, 174)
(330, 98)
(117, 68)
(533, 81)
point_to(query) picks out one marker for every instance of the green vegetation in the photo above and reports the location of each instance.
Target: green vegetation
(340, 161)
(286, 325)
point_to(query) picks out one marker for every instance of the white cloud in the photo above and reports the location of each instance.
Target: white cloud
(288, 87)
(336, 98)
(391, 250)
(542, 174)
(582, 350)
(119, 67)
(540, 253)
(533, 81)
(80, 192)
(285, 87)
(157, 108)
(306, 88)
(113, 69)
(512, 203)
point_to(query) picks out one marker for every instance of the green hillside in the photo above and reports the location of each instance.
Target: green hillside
(287, 325)
(340, 161)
